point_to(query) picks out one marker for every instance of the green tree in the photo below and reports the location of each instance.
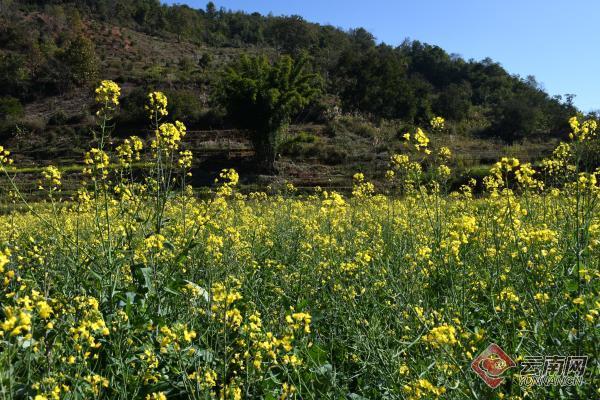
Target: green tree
(184, 21)
(211, 9)
(10, 108)
(515, 119)
(262, 97)
(14, 75)
(291, 34)
(454, 101)
(80, 58)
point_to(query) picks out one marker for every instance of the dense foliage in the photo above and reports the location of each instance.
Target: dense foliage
(137, 289)
(412, 82)
(262, 97)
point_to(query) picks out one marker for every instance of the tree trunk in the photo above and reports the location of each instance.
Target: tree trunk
(265, 153)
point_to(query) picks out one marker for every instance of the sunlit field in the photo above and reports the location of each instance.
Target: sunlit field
(137, 289)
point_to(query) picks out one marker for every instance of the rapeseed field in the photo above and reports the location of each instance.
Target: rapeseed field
(135, 288)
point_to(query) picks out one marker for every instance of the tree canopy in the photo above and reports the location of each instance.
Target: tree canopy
(262, 96)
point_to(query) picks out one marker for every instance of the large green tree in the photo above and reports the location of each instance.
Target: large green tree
(80, 58)
(262, 96)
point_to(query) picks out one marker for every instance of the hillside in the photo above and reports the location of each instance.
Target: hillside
(53, 53)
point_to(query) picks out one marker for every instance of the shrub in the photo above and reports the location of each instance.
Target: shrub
(58, 118)
(333, 156)
(10, 108)
(185, 105)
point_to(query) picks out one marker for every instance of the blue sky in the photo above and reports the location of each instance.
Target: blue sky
(555, 40)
